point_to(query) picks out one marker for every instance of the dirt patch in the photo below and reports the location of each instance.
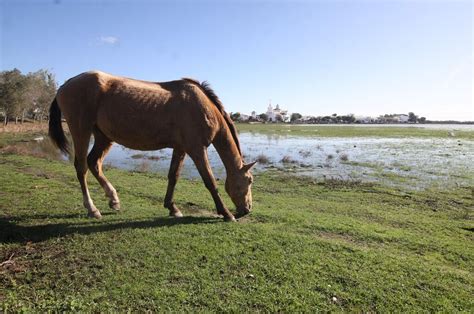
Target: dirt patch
(37, 172)
(17, 263)
(14, 260)
(197, 210)
(346, 239)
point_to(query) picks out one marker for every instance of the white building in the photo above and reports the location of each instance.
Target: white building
(365, 119)
(276, 114)
(244, 117)
(402, 118)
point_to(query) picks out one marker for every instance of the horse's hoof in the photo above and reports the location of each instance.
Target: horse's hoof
(114, 205)
(229, 219)
(176, 214)
(94, 214)
(174, 210)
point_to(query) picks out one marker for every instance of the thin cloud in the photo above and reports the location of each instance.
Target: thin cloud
(109, 40)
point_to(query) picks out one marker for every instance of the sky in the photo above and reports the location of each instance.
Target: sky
(322, 57)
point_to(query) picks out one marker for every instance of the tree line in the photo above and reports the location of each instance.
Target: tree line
(25, 96)
(333, 119)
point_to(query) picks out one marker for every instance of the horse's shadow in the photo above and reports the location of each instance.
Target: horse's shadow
(11, 232)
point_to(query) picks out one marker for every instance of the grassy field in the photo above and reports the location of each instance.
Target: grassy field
(353, 131)
(309, 245)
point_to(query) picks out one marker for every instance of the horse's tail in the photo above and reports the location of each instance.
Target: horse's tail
(209, 92)
(56, 132)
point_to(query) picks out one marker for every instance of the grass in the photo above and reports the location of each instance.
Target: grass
(352, 131)
(329, 245)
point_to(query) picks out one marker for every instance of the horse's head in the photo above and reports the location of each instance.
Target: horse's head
(238, 186)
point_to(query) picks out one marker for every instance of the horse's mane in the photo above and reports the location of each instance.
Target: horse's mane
(209, 92)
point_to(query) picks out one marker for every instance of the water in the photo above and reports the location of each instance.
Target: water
(412, 162)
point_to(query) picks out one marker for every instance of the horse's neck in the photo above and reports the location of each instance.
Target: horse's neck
(228, 151)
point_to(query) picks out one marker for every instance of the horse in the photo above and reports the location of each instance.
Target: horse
(184, 115)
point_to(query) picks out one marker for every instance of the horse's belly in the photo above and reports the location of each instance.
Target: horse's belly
(138, 132)
(143, 145)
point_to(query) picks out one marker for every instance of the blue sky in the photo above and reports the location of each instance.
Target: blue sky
(313, 57)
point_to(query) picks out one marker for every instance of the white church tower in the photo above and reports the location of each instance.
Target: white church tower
(270, 113)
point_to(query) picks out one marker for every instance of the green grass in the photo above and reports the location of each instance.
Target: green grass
(372, 248)
(319, 130)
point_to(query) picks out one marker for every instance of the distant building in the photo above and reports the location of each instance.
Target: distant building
(277, 114)
(365, 119)
(393, 118)
(244, 117)
(402, 118)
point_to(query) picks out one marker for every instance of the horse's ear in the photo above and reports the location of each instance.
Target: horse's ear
(249, 166)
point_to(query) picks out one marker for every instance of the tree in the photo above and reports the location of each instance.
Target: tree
(326, 119)
(235, 116)
(12, 88)
(295, 116)
(26, 94)
(349, 118)
(41, 89)
(263, 116)
(412, 117)
(422, 120)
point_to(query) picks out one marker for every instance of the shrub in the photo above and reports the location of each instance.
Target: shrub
(288, 160)
(262, 159)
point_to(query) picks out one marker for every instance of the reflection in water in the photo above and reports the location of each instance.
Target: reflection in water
(413, 161)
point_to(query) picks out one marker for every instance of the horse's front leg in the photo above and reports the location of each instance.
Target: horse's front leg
(173, 175)
(202, 164)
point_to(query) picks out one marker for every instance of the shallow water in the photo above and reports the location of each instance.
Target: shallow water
(409, 162)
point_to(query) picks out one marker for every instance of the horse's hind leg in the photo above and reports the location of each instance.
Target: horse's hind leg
(173, 175)
(81, 144)
(102, 145)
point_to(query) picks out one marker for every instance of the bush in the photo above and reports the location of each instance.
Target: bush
(288, 160)
(262, 159)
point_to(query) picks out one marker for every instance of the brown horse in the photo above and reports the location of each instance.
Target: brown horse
(184, 115)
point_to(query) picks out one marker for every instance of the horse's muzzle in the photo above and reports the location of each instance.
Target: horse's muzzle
(242, 211)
